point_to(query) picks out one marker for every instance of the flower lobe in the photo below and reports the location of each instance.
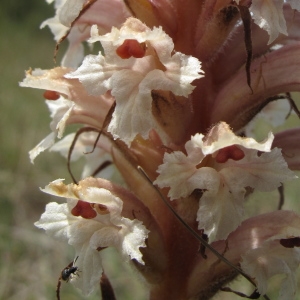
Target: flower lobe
(231, 152)
(130, 48)
(84, 210)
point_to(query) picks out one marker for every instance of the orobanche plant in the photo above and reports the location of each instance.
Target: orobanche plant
(165, 107)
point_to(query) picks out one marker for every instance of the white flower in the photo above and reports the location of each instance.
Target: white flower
(137, 60)
(73, 105)
(68, 21)
(270, 259)
(222, 165)
(91, 221)
(269, 15)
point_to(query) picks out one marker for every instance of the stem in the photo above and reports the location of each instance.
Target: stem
(196, 235)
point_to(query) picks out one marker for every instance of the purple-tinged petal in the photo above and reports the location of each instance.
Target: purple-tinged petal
(271, 259)
(274, 73)
(216, 20)
(232, 55)
(288, 141)
(251, 234)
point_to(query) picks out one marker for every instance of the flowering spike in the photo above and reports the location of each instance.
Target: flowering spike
(169, 93)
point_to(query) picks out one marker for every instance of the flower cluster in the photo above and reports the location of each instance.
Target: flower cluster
(165, 107)
(234, 165)
(91, 221)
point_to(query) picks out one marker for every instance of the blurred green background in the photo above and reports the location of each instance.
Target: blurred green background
(31, 262)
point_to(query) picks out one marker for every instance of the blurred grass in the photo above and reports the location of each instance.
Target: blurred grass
(30, 261)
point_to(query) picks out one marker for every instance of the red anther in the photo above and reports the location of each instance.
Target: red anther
(84, 210)
(131, 48)
(51, 95)
(233, 152)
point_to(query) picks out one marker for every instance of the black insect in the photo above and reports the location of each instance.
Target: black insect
(66, 274)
